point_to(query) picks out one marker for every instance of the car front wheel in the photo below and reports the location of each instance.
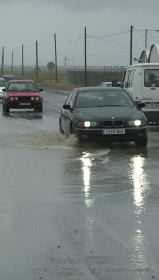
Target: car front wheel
(141, 142)
(5, 110)
(60, 127)
(39, 110)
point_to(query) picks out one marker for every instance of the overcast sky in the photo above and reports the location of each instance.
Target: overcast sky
(108, 23)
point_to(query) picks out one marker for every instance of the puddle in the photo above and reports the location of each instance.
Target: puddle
(46, 140)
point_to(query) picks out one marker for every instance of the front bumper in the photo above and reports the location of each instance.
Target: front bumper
(131, 134)
(24, 105)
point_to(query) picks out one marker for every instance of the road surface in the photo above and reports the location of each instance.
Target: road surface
(71, 212)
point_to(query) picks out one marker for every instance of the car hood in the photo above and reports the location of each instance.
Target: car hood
(23, 93)
(104, 113)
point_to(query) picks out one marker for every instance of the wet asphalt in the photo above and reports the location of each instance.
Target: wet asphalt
(72, 212)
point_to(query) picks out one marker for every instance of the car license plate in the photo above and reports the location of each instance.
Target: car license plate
(25, 103)
(114, 131)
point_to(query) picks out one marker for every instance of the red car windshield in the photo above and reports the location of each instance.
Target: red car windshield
(20, 87)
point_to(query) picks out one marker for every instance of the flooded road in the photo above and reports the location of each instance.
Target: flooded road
(72, 212)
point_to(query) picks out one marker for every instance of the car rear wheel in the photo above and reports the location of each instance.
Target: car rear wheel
(141, 142)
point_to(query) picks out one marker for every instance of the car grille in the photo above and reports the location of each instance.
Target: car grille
(112, 123)
(24, 98)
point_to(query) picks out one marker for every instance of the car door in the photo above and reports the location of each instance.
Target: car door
(67, 115)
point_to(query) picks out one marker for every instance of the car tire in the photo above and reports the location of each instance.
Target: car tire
(5, 110)
(82, 138)
(60, 127)
(141, 142)
(39, 110)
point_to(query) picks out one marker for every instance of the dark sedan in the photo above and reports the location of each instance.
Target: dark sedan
(105, 113)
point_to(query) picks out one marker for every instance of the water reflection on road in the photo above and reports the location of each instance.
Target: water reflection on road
(86, 161)
(140, 182)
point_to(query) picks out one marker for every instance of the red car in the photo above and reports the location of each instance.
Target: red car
(22, 94)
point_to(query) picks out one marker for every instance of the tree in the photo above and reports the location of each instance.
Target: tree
(50, 66)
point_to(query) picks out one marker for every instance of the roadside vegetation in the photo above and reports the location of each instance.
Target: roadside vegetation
(65, 79)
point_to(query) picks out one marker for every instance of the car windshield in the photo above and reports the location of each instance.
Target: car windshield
(2, 83)
(22, 87)
(103, 98)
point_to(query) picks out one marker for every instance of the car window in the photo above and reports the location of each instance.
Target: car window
(151, 77)
(98, 98)
(21, 87)
(70, 99)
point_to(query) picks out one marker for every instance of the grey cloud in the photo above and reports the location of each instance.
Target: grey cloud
(78, 5)
(99, 4)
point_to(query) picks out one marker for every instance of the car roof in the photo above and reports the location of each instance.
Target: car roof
(21, 81)
(99, 88)
(106, 82)
(144, 65)
(8, 75)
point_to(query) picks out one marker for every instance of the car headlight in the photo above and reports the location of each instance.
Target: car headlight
(88, 124)
(136, 123)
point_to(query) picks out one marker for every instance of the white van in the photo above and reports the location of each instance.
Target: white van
(142, 83)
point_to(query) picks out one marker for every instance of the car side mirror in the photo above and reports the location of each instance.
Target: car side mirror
(4, 89)
(67, 107)
(140, 105)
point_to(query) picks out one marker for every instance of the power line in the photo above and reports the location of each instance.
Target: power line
(153, 38)
(91, 36)
(149, 29)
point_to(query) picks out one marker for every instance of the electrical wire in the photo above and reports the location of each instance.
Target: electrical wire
(91, 36)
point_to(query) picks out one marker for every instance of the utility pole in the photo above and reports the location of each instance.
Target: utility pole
(12, 61)
(22, 60)
(56, 66)
(37, 62)
(146, 38)
(85, 56)
(2, 62)
(131, 43)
